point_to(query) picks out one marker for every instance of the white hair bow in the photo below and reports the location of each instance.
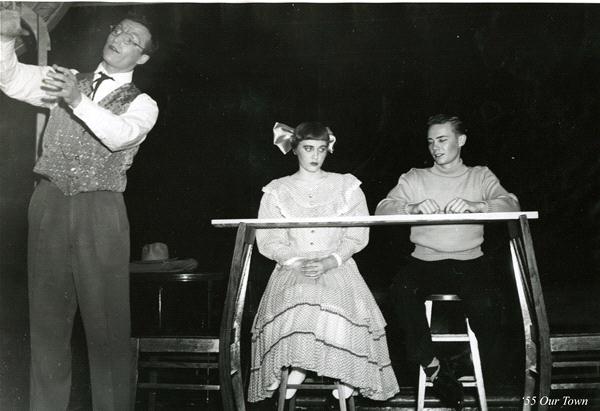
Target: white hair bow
(283, 135)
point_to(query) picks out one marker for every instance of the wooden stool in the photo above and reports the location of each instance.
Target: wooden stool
(283, 386)
(467, 381)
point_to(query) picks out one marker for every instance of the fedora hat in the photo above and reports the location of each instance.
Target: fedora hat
(155, 253)
(155, 258)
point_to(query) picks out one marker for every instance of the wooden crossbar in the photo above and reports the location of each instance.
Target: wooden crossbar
(358, 221)
(186, 387)
(178, 364)
(449, 338)
(188, 345)
(575, 342)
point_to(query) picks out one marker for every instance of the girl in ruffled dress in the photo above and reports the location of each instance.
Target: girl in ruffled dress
(316, 314)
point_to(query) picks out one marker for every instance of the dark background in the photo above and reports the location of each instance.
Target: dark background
(524, 77)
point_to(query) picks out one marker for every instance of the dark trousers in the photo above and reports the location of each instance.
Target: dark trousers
(78, 254)
(472, 280)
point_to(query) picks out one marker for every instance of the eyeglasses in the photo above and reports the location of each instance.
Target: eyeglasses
(129, 39)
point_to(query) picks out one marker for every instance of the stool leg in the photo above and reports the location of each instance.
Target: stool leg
(428, 310)
(351, 403)
(209, 304)
(422, 376)
(160, 317)
(151, 400)
(282, 389)
(477, 367)
(341, 396)
(421, 389)
(292, 405)
(152, 377)
(135, 352)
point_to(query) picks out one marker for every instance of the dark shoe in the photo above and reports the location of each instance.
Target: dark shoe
(447, 387)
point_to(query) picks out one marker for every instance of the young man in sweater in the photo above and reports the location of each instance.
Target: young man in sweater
(446, 258)
(78, 238)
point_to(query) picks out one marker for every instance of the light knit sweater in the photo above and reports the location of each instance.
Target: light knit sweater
(438, 242)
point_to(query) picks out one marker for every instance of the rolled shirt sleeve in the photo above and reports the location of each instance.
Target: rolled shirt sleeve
(119, 132)
(22, 81)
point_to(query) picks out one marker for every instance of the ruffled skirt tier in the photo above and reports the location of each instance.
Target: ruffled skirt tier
(330, 325)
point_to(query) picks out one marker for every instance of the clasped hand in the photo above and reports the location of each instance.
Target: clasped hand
(455, 206)
(62, 83)
(314, 267)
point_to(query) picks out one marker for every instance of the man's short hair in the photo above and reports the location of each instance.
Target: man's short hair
(142, 19)
(457, 124)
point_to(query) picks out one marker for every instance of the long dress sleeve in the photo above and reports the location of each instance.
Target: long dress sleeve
(354, 239)
(273, 243)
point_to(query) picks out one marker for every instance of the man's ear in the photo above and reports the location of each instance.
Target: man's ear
(143, 58)
(462, 139)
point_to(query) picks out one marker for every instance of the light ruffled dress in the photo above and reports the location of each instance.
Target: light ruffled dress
(331, 325)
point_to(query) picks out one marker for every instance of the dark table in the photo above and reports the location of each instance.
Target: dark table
(176, 303)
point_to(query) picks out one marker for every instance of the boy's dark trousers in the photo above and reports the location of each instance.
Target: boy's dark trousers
(471, 280)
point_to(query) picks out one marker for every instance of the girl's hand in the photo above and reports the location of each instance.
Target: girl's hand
(297, 265)
(316, 267)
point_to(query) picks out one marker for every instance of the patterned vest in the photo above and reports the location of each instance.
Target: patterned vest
(73, 158)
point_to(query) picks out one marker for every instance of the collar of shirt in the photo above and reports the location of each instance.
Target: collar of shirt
(107, 86)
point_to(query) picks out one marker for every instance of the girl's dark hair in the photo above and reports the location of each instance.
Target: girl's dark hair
(310, 130)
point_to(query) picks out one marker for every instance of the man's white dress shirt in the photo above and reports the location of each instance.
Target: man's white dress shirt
(117, 132)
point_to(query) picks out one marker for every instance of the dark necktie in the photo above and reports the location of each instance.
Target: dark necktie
(96, 83)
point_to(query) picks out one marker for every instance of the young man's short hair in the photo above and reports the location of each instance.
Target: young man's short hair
(457, 124)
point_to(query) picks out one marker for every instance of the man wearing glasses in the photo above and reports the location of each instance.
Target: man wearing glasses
(78, 244)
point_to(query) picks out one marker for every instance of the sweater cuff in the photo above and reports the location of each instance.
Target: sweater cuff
(494, 206)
